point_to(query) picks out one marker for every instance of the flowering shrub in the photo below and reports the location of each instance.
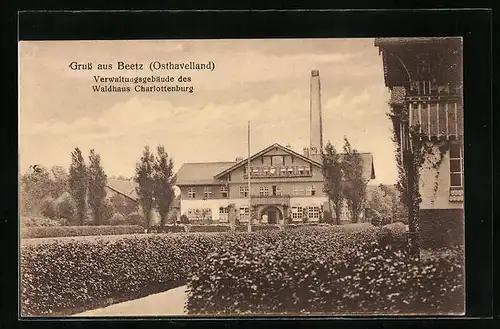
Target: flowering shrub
(62, 231)
(320, 270)
(83, 273)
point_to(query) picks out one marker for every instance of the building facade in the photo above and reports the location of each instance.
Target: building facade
(424, 76)
(285, 185)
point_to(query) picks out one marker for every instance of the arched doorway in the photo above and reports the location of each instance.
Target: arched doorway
(273, 213)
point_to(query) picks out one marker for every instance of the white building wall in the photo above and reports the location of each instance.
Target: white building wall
(434, 184)
(212, 204)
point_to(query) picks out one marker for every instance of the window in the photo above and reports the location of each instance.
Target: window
(264, 191)
(223, 191)
(192, 193)
(200, 213)
(297, 190)
(207, 193)
(244, 191)
(307, 170)
(456, 165)
(313, 212)
(223, 213)
(297, 212)
(311, 190)
(424, 68)
(244, 213)
(278, 191)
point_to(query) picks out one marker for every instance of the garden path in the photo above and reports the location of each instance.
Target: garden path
(168, 303)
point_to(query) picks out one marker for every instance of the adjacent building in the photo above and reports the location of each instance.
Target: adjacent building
(285, 184)
(424, 76)
(122, 193)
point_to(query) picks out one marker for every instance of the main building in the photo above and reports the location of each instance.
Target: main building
(284, 184)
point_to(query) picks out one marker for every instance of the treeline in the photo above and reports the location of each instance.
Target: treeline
(78, 196)
(346, 184)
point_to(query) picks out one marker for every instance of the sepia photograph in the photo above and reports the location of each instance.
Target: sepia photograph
(241, 177)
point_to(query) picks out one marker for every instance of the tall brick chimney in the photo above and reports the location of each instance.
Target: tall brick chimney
(315, 118)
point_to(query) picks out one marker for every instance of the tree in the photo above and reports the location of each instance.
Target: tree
(97, 183)
(332, 173)
(355, 183)
(144, 171)
(78, 183)
(164, 181)
(49, 208)
(65, 206)
(58, 181)
(34, 188)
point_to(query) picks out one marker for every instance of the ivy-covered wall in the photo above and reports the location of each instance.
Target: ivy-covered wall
(441, 227)
(435, 178)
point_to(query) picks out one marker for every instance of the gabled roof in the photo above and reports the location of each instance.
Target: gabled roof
(267, 149)
(201, 172)
(368, 166)
(209, 173)
(123, 187)
(126, 188)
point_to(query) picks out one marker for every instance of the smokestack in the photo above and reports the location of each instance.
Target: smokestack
(316, 124)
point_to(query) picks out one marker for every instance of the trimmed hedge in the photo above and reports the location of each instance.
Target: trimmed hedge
(80, 274)
(169, 229)
(66, 231)
(209, 228)
(323, 271)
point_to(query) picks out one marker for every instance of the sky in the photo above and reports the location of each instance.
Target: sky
(264, 81)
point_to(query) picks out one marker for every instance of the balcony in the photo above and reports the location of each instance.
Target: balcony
(438, 119)
(276, 172)
(270, 200)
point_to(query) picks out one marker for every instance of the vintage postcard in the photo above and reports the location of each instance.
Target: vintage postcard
(241, 177)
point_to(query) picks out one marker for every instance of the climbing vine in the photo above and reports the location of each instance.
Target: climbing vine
(434, 158)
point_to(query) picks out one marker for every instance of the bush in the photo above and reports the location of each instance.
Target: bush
(28, 221)
(136, 219)
(117, 219)
(71, 274)
(393, 234)
(328, 218)
(65, 207)
(209, 228)
(169, 229)
(49, 208)
(66, 231)
(258, 228)
(322, 270)
(264, 272)
(184, 219)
